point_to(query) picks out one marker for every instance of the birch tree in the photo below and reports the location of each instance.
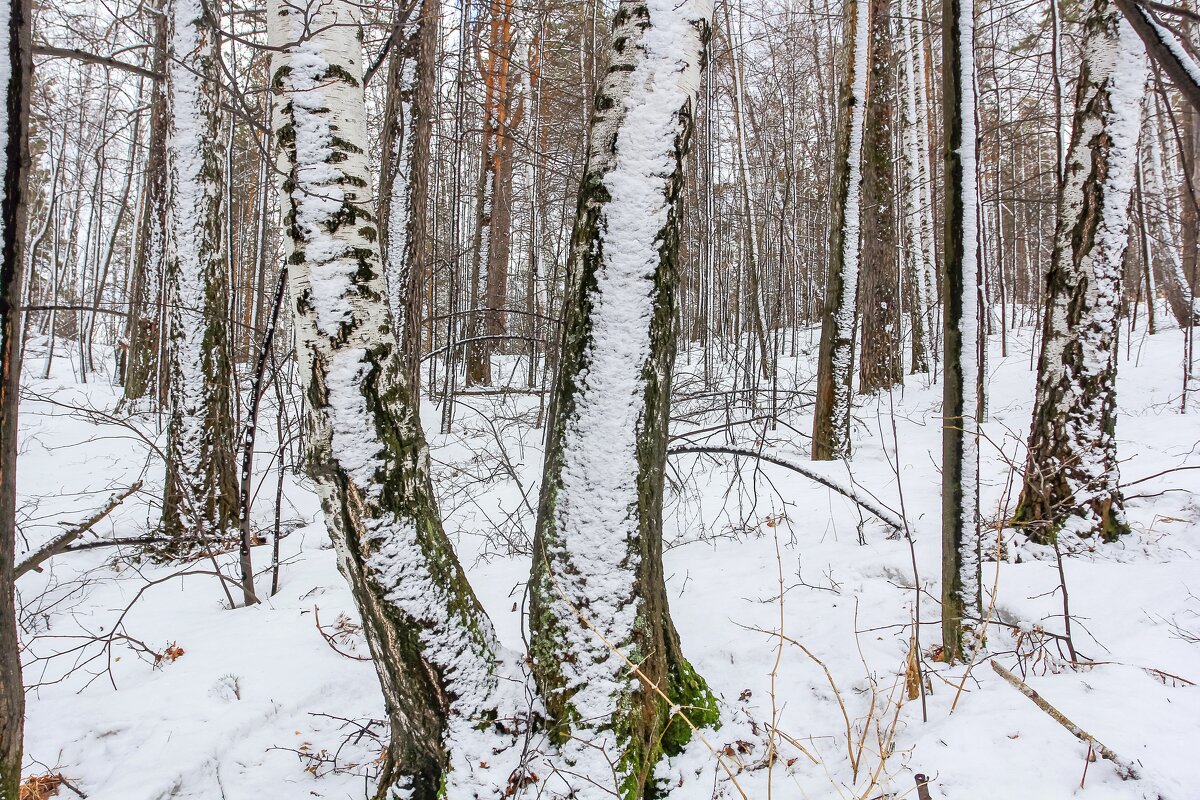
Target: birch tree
(16, 50)
(430, 640)
(918, 233)
(599, 602)
(835, 365)
(201, 484)
(1071, 475)
(960, 332)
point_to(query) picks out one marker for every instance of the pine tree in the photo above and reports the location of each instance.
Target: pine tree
(1071, 474)
(598, 597)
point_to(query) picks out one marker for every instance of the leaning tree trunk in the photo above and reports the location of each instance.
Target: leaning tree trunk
(431, 642)
(404, 180)
(835, 362)
(200, 496)
(16, 50)
(880, 365)
(598, 595)
(1071, 475)
(960, 333)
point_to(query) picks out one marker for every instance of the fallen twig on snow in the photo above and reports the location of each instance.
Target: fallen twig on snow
(1125, 769)
(59, 543)
(885, 515)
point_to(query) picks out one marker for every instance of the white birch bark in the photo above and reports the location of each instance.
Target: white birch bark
(432, 644)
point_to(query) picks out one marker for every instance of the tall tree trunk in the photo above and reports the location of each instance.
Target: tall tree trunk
(1071, 474)
(431, 642)
(503, 110)
(917, 264)
(880, 365)
(835, 362)
(404, 180)
(200, 495)
(598, 597)
(960, 332)
(1164, 245)
(16, 49)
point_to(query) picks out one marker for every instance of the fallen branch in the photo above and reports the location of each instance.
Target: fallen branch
(59, 543)
(1125, 769)
(885, 515)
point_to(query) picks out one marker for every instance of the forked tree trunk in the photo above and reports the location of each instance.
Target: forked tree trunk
(598, 595)
(1071, 474)
(835, 362)
(16, 56)
(880, 365)
(404, 180)
(960, 333)
(430, 640)
(200, 496)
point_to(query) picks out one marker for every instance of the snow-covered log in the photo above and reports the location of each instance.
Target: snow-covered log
(1071, 476)
(431, 642)
(598, 597)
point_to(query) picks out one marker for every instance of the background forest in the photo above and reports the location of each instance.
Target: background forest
(520, 398)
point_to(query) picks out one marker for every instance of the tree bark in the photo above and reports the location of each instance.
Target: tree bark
(880, 366)
(200, 496)
(404, 179)
(1071, 473)
(141, 334)
(430, 640)
(835, 361)
(598, 596)
(960, 332)
(16, 53)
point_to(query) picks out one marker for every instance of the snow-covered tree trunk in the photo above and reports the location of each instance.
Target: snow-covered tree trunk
(404, 179)
(835, 364)
(430, 640)
(141, 339)
(1071, 475)
(960, 332)
(1164, 245)
(597, 587)
(16, 71)
(200, 496)
(917, 264)
(880, 364)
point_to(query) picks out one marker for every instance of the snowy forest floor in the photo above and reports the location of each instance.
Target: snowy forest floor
(254, 703)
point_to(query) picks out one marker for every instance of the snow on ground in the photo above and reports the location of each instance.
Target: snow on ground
(255, 703)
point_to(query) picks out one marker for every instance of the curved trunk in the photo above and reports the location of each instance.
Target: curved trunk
(1071, 473)
(598, 595)
(431, 642)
